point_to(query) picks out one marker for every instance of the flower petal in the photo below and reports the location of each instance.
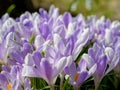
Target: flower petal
(30, 71)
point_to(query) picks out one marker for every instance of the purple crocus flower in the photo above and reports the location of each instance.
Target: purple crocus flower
(95, 55)
(17, 57)
(113, 58)
(109, 38)
(7, 46)
(44, 67)
(117, 50)
(102, 57)
(79, 74)
(46, 44)
(12, 80)
(25, 26)
(71, 46)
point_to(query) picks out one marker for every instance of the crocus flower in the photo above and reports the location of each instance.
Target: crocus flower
(46, 44)
(71, 46)
(113, 58)
(17, 57)
(117, 49)
(79, 74)
(102, 57)
(7, 46)
(95, 55)
(43, 67)
(12, 80)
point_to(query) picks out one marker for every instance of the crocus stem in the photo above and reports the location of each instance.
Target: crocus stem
(76, 88)
(51, 87)
(96, 87)
(61, 81)
(96, 84)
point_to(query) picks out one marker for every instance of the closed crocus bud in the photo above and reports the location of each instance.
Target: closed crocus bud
(108, 36)
(113, 58)
(70, 30)
(39, 40)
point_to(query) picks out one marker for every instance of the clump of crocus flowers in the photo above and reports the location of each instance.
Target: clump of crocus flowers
(60, 51)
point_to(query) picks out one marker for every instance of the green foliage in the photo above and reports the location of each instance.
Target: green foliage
(32, 38)
(110, 82)
(66, 85)
(10, 8)
(39, 84)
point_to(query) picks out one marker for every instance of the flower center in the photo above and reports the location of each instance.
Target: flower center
(76, 76)
(9, 87)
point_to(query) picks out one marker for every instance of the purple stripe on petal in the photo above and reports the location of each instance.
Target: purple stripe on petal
(101, 66)
(82, 78)
(3, 80)
(47, 69)
(37, 59)
(67, 18)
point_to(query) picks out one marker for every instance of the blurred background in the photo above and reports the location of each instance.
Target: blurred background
(108, 8)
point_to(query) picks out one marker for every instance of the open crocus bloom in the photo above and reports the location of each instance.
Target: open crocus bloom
(44, 67)
(79, 74)
(102, 57)
(11, 79)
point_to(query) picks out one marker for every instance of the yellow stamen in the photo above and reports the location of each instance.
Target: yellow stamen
(76, 76)
(9, 87)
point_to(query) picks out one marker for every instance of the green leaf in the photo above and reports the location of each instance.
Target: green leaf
(45, 88)
(32, 38)
(66, 85)
(38, 83)
(43, 53)
(11, 7)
